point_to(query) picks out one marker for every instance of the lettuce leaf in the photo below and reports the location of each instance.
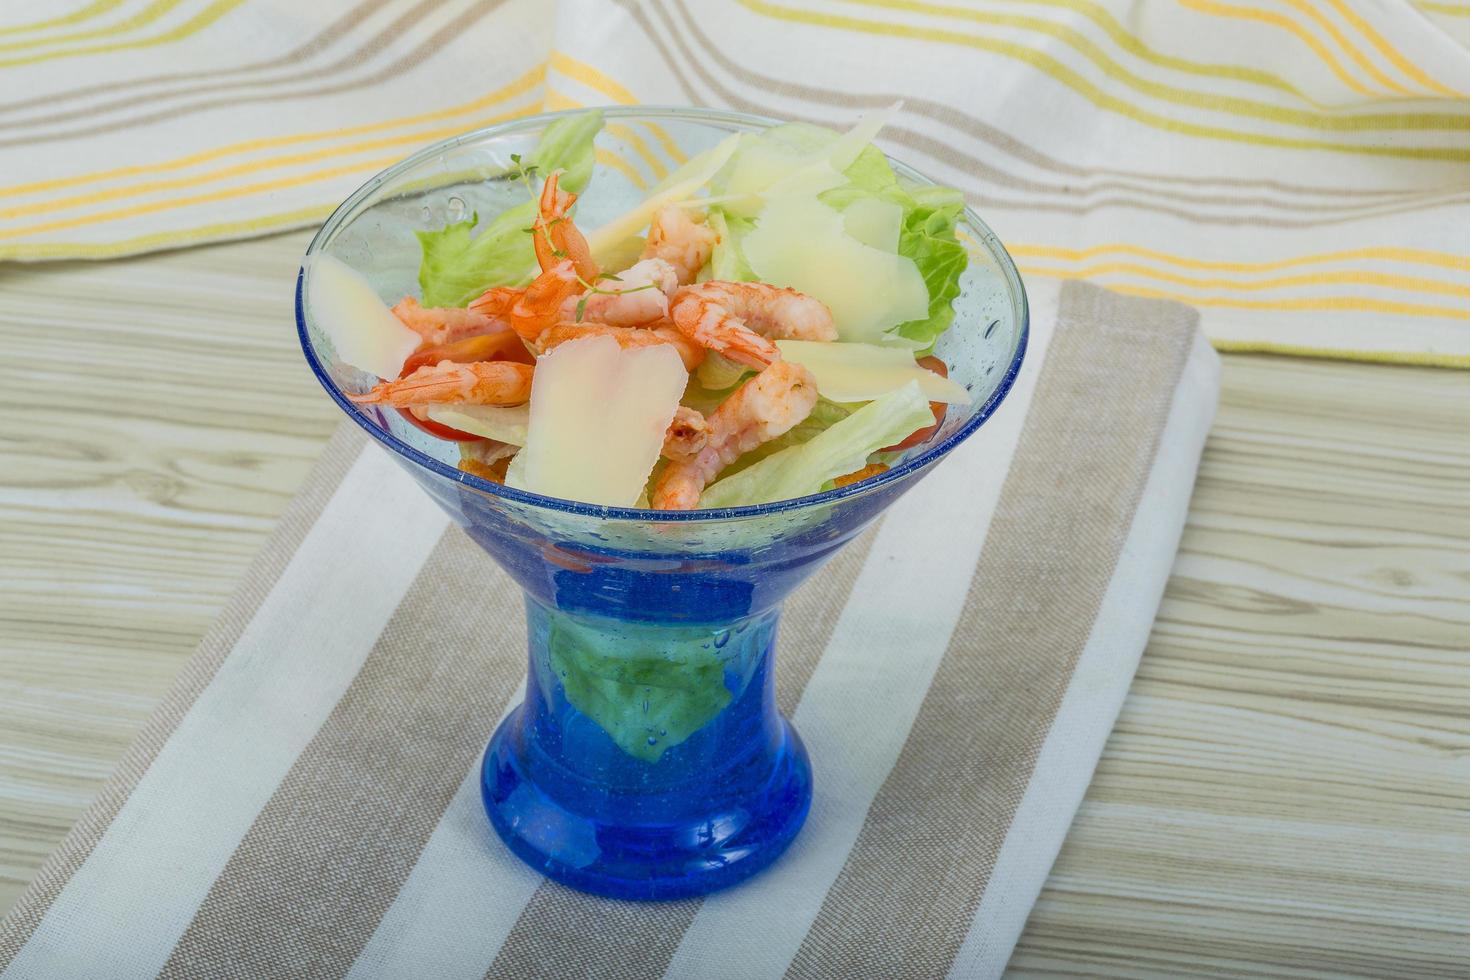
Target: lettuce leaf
(646, 698)
(458, 266)
(841, 448)
(927, 237)
(727, 260)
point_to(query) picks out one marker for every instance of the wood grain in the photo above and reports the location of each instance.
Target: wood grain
(1287, 791)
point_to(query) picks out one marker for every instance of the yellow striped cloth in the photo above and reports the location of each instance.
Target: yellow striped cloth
(1299, 170)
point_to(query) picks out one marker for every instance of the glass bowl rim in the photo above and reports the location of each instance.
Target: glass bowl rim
(696, 114)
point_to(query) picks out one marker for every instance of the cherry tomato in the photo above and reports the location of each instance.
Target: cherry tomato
(938, 408)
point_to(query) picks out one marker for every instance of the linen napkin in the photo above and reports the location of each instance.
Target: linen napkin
(1295, 169)
(306, 801)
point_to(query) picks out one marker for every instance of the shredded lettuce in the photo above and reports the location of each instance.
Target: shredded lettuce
(458, 266)
(841, 448)
(824, 415)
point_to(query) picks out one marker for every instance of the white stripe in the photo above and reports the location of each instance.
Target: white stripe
(123, 911)
(866, 691)
(1101, 680)
(459, 903)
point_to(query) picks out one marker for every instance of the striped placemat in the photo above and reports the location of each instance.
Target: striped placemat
(306, 803)
(1295, 169)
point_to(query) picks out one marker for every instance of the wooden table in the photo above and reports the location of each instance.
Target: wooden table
(1288, 788)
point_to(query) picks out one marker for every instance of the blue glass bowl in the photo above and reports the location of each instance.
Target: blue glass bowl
(648, 759)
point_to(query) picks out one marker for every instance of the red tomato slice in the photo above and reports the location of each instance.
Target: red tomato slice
(438, 429)
(503, 345)
(938, 408)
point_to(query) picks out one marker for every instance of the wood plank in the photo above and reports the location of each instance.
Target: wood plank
(1287, 788)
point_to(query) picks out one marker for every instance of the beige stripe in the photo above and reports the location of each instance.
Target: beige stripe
(564, 933)
(295, 522)
(321, 864)
(426, 51)
(910, 887)
(329, 36)
(1132, 195)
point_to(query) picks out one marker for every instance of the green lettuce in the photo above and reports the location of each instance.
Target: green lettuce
(646, 698)
(457, 266)
(823, 416)
(927, 236)
(841, 448)
(727, 261)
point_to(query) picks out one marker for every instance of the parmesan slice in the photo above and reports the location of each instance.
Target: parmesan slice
(503, 423)
(863, 372)
(607, 241)
(362, 330)
(802, 243)
(597, 420)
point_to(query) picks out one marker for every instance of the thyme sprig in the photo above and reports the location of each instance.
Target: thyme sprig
(525, 173)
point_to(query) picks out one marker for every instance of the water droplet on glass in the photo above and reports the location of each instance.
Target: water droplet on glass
(425, 213)
(721, 638)
(456, 208)
(645, 707)
(652, 740)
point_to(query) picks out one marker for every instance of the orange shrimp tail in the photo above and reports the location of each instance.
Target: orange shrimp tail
(557, 238)
(497, 301)
(540, 306)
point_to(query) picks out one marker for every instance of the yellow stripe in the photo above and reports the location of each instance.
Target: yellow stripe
(168, 239)
(75, 17)
(521, 85)
(1247, 108)
(1451, 9)
(1362, 60)
(1347, 277)
(1419, 358)
(1352, 304)
(610, 159)
(195, 24)
(1062, 73)
(142, 18)
(1287, 24)
(627, 135)
(1119, 35)
(1389, 51)
(598, 81)
(243, 190)
(592, 78)
(226, 194)
(1443, 260)
(556, 101)
(249, 167)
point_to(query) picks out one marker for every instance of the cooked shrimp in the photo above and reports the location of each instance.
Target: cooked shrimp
(681, 241)
(556, 238)
(627, 301)
(625, 336)
(480, 383)
(740, 319)
(688, 433)
(531, 310)
(766, 406)
(440, 325)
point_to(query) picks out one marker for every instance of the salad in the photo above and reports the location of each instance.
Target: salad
(757, 329)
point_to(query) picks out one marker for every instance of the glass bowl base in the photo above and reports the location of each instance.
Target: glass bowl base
(625, 856)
